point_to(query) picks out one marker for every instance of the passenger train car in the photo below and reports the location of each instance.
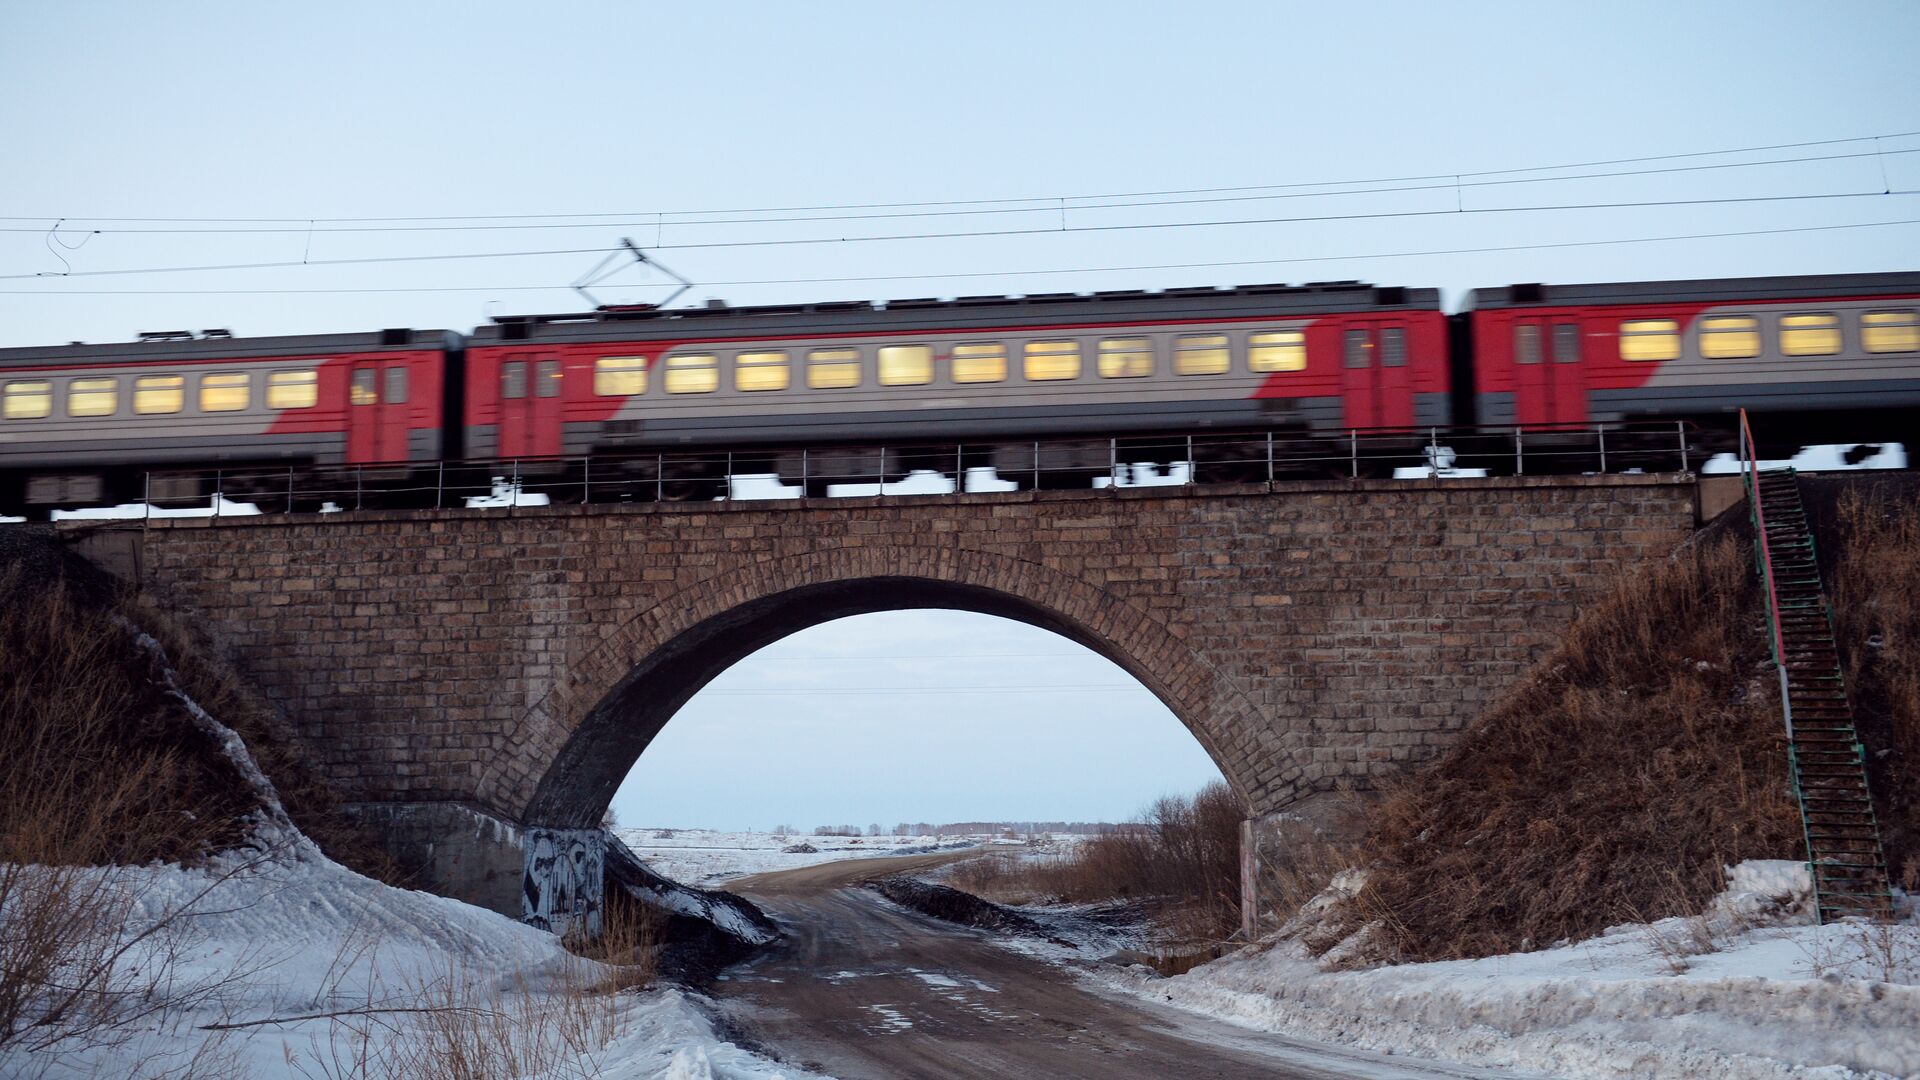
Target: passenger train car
(1834, 356)
(1824, 351)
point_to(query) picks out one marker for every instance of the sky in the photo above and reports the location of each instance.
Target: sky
(1085, 145)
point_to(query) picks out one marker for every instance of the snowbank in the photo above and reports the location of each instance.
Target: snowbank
(1749, 990)
(279, 963)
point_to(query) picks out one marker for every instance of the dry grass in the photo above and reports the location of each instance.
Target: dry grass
(1182, 860)
(1875, 591)
(1614, 783)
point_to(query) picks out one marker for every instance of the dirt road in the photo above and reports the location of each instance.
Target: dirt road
(862, 989)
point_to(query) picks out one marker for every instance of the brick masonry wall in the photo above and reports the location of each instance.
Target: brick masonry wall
(1309, 634)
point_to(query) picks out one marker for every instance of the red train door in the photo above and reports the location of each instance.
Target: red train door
(377, 393)
(1376, 380)
(1550, 384)
(530, 397)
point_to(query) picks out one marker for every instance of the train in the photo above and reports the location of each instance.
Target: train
(1823, 358)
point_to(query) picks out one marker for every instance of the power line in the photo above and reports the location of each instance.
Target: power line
(1050, 199)
(1052, 207)
(1490, 249)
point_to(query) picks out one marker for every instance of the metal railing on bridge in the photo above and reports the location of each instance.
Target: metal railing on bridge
(921, 468)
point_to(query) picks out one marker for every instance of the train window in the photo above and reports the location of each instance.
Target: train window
(620, 376)
(980, 362)
(1729, 337)
(761, 371)
(905, 365)
(698, 373)
(293, 389)
(1125, 357)
(1810, 334)
(396, 385)
(1526, 344)
(1049, 361)
(1359, 349)
(228, 392)
(27, 400)
(833, 369)
(513, 379)
(93, 397)
(1890, 331)
(159, 394)
(1650, 339)
(1393, 346)
(365, 387)
(1566, 343)
(548, 383)
(1201, 354)
(1277, 350)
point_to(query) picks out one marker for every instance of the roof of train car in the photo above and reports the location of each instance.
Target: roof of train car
(184, 347)
(1710, 290)
(1134, 305)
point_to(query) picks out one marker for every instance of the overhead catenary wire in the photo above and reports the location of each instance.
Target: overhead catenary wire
(1215, 264)
(1059, 205)
(309, 219)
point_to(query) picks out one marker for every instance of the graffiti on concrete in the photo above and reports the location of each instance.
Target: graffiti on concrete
(565, 877)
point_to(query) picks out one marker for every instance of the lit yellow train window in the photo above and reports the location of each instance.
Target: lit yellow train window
(1810, 334)
(1201, 354)
(1650, 339)
(1729, 337)
(364, 389)
(27, 400)
(980, 362)
(1890, 331)
(93, 397)
(697, 373)
(1047, 361)
(293, 389)
(761, 371)
(1126, 357)
(905, 365)
(620, 376)
(833, 369)
(1277, 350)
(225, 393)
(159, 394)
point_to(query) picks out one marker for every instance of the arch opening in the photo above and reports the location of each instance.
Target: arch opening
(603, 747)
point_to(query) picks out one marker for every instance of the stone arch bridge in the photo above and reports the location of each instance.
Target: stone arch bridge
(463, 674)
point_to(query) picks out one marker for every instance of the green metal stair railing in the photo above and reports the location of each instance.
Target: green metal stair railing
(1829, 768)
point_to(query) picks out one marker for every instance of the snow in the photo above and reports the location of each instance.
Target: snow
(708, 857)
(278, 932)
(506, 493)
(1826, 458)
(1750, 989)
(219, 506)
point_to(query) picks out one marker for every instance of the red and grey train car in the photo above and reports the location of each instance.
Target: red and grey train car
(1316, 358)
(86, 423)
(1831, 358)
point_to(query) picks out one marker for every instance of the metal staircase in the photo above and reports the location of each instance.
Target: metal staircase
(1848, 868)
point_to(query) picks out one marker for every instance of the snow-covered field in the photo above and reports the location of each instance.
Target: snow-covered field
(707, 857)
(1751, 990)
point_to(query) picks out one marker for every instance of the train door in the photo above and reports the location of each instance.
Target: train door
(1550, 385)
(1376, 381)
(377, 412)
(530, 397)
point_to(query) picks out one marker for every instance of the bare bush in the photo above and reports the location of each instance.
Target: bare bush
(1643, 756)
(1182, 859)
(1875, 588)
